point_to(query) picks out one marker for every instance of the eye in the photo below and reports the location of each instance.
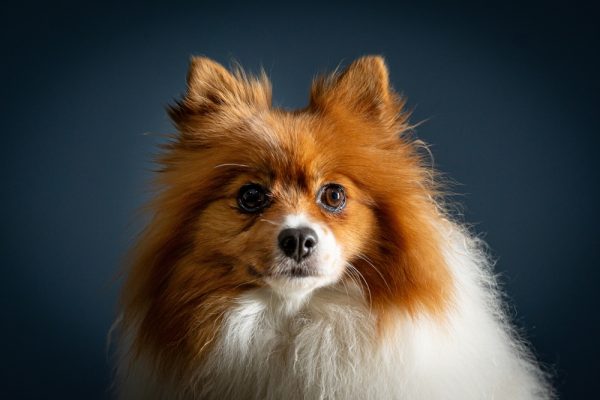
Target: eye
(253, 198)
(332, 197)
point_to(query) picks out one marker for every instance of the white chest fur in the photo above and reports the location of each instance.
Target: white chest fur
(326, 347)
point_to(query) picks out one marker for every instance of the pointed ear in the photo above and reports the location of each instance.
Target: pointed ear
(211, 86)
(362, 88)
(209, 82)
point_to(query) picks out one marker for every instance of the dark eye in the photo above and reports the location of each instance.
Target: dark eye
(253, 198)
(332, 197)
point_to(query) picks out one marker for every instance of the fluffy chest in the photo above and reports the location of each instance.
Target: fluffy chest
(322, 348)
(329, 348)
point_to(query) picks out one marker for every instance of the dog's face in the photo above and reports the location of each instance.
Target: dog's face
(254, 196)
(289, 213)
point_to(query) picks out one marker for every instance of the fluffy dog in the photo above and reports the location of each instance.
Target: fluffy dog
(307, 255)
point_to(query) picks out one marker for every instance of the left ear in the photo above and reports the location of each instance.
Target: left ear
(363, 88)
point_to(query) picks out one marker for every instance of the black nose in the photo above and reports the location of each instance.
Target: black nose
(297, 243)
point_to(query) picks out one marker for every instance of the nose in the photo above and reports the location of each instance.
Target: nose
(297, 243)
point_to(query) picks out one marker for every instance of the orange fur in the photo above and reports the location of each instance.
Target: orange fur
(199, 253)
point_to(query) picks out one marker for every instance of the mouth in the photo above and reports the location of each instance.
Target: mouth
(294, 272)
(299, 272)
(291, 280)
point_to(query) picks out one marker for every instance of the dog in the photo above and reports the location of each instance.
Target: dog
(309, 254)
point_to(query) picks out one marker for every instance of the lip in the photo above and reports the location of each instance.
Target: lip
(294, 272)
(299, 272)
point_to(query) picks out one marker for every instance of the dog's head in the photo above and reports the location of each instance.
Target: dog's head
(254, 196)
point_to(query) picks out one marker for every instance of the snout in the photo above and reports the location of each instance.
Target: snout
(307, 257)
(298, 243)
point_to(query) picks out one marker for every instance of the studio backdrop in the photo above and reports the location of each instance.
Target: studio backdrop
(506, 95)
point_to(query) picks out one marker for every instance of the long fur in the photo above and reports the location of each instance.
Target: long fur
(416, 314)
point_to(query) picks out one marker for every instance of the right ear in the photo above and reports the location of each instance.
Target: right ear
(364, 89)
(211, 86)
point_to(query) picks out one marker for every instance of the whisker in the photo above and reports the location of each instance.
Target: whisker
(246, 283)
(231, 165)
(347, 272)
(366, 259)
(269, 221)
(345, 287)
(361, 277)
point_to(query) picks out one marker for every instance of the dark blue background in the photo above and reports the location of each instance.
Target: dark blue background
(511, 95)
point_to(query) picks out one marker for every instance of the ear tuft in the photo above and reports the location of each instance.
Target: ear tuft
(208, 82)
(362, 88)
(210, 86)
(369, 75)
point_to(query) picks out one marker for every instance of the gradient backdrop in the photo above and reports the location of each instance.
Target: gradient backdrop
(510, 94)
